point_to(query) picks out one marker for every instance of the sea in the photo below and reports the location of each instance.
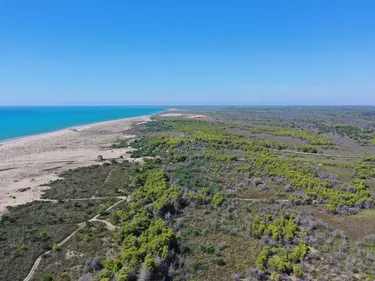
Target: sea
(20, 121)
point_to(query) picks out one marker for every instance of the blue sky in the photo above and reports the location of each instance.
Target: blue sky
(254, 52)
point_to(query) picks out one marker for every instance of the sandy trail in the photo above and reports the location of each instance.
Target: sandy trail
(80, 226)
(29, 162)
(82, 199)
(317, 154)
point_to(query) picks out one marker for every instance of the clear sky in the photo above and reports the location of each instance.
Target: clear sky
(183, 52)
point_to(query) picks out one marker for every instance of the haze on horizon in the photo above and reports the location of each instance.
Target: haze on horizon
(187, 52)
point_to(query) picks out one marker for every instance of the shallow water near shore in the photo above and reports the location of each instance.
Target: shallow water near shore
(20, 121)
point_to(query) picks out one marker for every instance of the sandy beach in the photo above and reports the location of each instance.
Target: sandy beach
(28, 162)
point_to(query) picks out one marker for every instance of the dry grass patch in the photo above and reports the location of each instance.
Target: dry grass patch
(355, 227)
(256, 193)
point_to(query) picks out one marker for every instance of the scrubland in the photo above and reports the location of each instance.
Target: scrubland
(230, 194)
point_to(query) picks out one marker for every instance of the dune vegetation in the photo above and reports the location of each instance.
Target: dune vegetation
(240, 194)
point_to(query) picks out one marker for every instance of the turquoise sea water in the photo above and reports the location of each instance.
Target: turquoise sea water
(23, 121)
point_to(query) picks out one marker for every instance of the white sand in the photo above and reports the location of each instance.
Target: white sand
(184, 115)
(35, 160)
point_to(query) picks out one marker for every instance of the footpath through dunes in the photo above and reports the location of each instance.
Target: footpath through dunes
(80, 226)
(82, 199)
(30, 162)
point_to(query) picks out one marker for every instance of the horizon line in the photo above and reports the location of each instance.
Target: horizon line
(189, 105)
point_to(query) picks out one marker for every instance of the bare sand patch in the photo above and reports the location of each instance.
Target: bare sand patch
(184, 115)
(27, 163)
(189, 116)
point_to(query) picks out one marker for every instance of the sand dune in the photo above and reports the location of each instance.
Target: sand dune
(28, 162)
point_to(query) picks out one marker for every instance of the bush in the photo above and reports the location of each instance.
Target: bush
(299, 252)
(218, 198)
(55, 247)
(43, 236)
(150, 262)
(22, 248)
(285, 227)
(275, 276)
(262, 258)
(297, 270)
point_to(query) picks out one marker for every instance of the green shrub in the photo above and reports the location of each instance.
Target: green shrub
(122, 275)
(262, 258)
(150, 262)
(43, 236)
(299, 252)
(218, 198)
(258, 227)
(22, 248)
(280, 261)
(297, 270)
(278, 228)
(55, 247)
(275, 276)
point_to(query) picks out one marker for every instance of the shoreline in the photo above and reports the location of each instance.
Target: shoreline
(77, 127)
(32, 161)
(82, 125)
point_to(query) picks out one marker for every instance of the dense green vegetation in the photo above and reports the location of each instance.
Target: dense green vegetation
(143, 235)
(230, 198)
(366, 168)
(280, 259)
(206, 141)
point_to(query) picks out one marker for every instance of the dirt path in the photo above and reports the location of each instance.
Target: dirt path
(82, 199)
(110, 173)
(259, 200)
(109, 226)
(80, 226)
(316, 154)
